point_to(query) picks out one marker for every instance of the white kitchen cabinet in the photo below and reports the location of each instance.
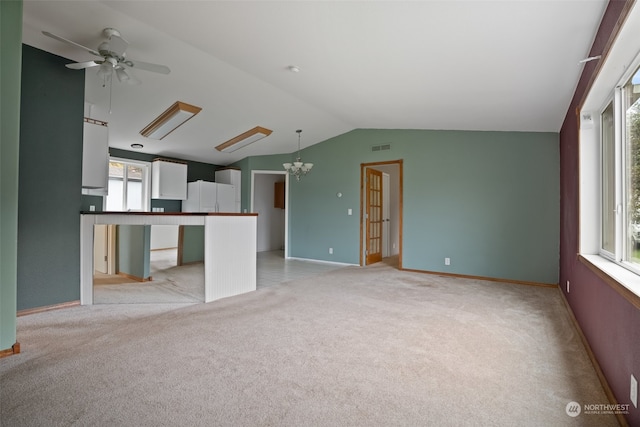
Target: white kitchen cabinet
(205, 196)
(95, 154)
(168, 180)
(234, 177)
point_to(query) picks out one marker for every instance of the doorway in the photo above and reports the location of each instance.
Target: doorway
(269, 199)
(104, 249)
(164, 245)
(381, 189)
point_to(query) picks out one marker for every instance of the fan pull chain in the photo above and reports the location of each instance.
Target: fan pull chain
(110, 93)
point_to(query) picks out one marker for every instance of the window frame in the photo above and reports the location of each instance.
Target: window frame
(621, 174)
(604, 207)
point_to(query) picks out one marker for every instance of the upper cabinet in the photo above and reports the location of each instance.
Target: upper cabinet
(279, 195)
(95, 154)
(168, 179)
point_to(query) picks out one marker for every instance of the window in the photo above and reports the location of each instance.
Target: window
(620, 175)
(128, 186)
(630, 114)
(609, 163)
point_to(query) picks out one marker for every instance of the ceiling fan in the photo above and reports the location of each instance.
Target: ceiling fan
(114, 59)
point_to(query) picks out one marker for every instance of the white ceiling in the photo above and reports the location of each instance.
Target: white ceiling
(509, 65)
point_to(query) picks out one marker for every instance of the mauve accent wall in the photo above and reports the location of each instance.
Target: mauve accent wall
(610, 323)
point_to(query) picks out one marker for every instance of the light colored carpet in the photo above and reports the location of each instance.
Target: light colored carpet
(353, 347)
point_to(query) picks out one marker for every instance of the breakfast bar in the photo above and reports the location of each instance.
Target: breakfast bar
(229, 247)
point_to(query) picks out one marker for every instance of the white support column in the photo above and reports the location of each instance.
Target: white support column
(86, 259)
(230, 256)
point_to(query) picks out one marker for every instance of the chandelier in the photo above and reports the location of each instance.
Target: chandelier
(298, 168)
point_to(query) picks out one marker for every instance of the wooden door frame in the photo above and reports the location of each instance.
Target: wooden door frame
(100, 248)
(363, 167)
(111, 248)
(386, 226)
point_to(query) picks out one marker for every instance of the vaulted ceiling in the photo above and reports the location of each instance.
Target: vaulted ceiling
(509, 65)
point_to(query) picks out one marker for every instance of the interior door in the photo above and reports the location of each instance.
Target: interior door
(374, 218)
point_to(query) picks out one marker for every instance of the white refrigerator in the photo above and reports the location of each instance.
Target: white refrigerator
(205, 196)
(234, 177)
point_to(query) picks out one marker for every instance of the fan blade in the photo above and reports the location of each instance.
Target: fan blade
(62, 39)
(162, 69)
(82, 65)
(126, 76)
(117, 45)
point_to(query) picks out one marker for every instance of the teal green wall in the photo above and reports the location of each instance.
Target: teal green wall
(193, 244)
(88, 201)
(50, 199)
(10, 69)
(487, 200)
(134, 250)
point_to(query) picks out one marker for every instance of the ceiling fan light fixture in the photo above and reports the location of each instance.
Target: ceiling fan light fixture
(174, 117)
(122, 75)
(244, 139)
(105, 70)
(125, 76)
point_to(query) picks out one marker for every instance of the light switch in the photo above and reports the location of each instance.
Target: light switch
(349, 211)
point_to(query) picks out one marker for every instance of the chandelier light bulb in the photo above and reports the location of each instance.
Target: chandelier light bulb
(298, 168)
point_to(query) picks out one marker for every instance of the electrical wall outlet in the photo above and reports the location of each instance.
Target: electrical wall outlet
(447, 261)
(331, 251)
(633, 393)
